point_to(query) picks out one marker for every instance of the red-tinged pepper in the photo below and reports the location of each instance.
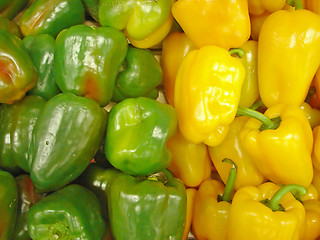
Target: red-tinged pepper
(17, 73)
(27, 197)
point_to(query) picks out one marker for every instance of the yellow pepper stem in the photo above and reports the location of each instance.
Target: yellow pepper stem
(297, 4)
(267, 123)
(227, 194)
(239, 51)
(274, 202)
(258, 104)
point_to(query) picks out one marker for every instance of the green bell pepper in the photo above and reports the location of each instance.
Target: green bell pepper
(72, 212)
(138, 18)
(65, 138)
(16, 125)
(10, 8)
(87, 61)
(41, 50)
(9, 26)
(17, 73)
(143, 208)
(97, 179)
(8, 205)
(140, 76)
(137, 132)
(27, 197)
(51, 16)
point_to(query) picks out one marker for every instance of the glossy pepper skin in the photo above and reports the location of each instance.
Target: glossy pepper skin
(250, 89)
(224, 23)
(65, 213)
(10, 8)
(210, 217)
(27, 197)
(288, 59)
(18, 121)
(174, 48)
(97, 180)
(232, 147)
(190, 162)
(10, 26)
(248, 216)
(87, 61)
(41, 50)
(258, 7)
(282, 155)
(65, 138)
(207, 94)
(140, 20)
(51, 16)
(17, 73)
(137, 132)
(313, 114)
(140, 76)
(312, 219)
(147, 208)
(8, 204)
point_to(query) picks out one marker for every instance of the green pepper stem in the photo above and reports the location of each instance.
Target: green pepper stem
(267, 123)
(258, 104)
(274, 203)
(239, 51)
(227, 194)
(297, 4)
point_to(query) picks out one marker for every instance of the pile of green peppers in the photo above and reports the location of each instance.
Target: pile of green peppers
(83, 151)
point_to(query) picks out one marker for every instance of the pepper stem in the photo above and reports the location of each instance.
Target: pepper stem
(58, 231)
(297, 4)
(267, 123)
(227, 194)
(239, 51)
(274, 203)
(258, 104)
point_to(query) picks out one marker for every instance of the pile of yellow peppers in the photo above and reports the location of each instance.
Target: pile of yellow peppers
(244, 78)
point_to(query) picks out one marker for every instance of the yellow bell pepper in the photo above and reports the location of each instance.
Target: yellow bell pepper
(190, 162)
(191, 193)
(174, 47)
(224, 23)
(249, 90)
(266, 212)
(316, 148)
(311, 230)
(232, 148)
(312, 5)
(312, 219)
(211, 208)
(312, 114)
(288, 56)
(256, 24)
(207, 94)
(258, 7)
(281, 151)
